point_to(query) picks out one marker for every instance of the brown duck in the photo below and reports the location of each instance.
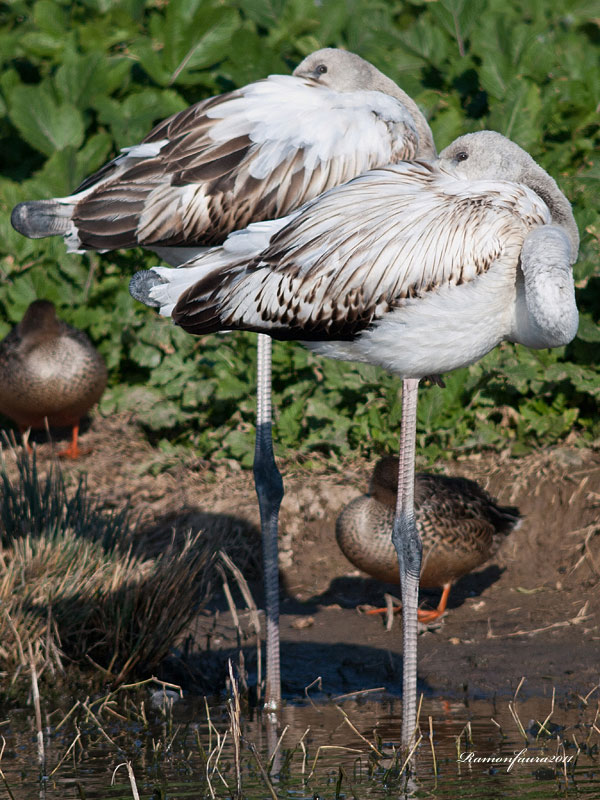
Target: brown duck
(49, 370)
(460, 524)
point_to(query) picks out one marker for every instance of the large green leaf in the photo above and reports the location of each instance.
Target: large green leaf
(43, 122)
(81, 78)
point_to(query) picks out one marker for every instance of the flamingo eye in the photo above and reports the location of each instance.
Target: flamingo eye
(321, 69)
(462, 156)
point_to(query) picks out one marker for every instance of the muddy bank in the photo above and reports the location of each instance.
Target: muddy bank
(533, 610)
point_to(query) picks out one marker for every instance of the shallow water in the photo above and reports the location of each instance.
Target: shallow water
(344, 748)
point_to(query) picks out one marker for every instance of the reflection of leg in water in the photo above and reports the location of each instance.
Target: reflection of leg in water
(274, 768)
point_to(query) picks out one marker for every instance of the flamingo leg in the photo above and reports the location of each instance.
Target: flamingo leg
(408, 546)
(72, 451)
(269, 489)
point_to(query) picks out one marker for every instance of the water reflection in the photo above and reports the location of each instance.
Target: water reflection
(481, 749)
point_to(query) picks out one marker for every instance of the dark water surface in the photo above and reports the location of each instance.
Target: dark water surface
(344, 748)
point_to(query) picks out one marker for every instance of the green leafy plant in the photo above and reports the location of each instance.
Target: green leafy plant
(80, 80)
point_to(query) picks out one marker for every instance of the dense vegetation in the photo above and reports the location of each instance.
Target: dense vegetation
(82, 78)
(78, 584)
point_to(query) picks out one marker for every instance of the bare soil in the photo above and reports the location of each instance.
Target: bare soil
(532, 611)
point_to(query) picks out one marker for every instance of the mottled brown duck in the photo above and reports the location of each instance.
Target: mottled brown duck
(49, 370)
(460, 524)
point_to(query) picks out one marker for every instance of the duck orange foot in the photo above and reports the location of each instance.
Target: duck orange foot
(73, 451)
(423, 614)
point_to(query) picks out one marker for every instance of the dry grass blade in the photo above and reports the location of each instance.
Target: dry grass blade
(18, 641)
(138, 684)
(231, 604)
(99, 726)
(584, 546)
(262, 770)
(330, 747)
(66, 754)
(244, 589)
(417, 730)
(215, 754)
(2, 775)
(580, 617)
(303, 748)
(254, 615)
(233, 707)
(432, 748)
(389, 611)
(409, 757)
(35, 691)
(593, 726)
(359, 693)
(512, 707)
(132, 782)
(357, 732)
(590, 693)
(66, 717)
(318, 682)
(576, 756)
(543, 727)
(276, 749)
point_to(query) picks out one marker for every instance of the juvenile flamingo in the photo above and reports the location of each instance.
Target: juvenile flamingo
(253, 154)
(419, 268)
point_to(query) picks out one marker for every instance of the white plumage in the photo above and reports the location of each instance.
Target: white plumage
(254, 153)
(419, 268)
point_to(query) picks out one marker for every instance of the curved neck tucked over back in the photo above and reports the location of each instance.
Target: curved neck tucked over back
(560, 208)
(343, 71)
(382, 83)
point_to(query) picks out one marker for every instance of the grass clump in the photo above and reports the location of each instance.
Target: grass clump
(35, 506)
(73, 587)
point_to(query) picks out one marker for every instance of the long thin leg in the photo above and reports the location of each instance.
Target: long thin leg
(269, 488)
(408, 546)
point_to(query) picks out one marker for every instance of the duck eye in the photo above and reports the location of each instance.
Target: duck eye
(462, 156)
(321, 69)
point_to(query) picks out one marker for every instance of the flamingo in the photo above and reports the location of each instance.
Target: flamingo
(253, 154)
(420, 268)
